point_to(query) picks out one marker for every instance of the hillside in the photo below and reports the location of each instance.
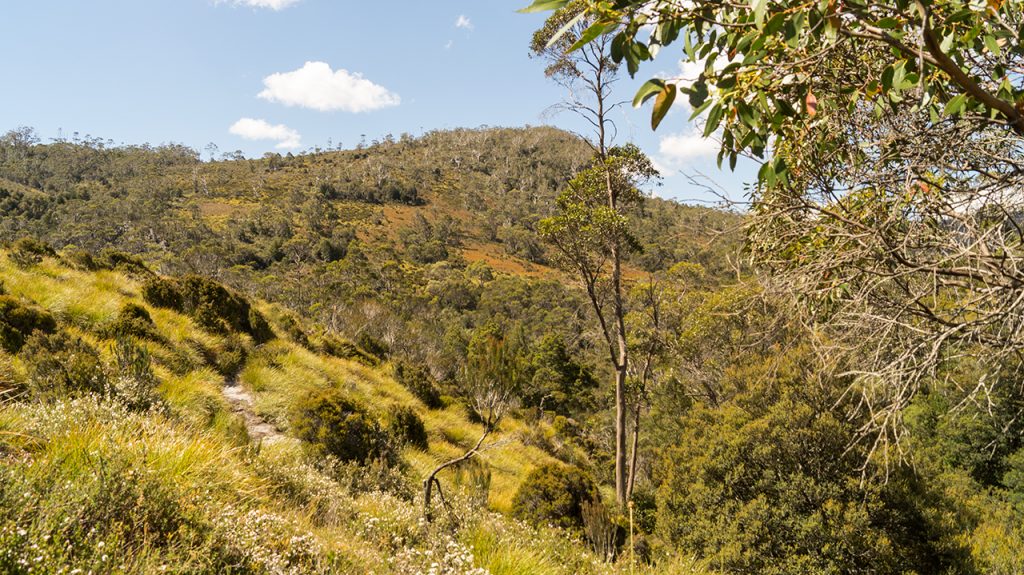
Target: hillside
(475, 193)
(187, 457)
(251, 366)
(411, 242)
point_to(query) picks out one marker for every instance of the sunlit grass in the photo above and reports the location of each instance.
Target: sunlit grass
(81, 298)
(192, 460)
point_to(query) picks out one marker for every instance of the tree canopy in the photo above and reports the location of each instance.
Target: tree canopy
(889, 196)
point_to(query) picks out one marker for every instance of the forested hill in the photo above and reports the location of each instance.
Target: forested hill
(470, 193)
(400, 287)
(410, 241)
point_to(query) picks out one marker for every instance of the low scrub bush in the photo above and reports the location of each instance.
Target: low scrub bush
(109, 259)
(293, 329)
(372, 345)
(28, 251)
(229, 357)
(215, 308)
(420, 383)
(554, 494)
(406, 427)
(132, 321)
(333, 425)
(164, 293)
(59, 364)
(220, 310)
(332, 345)
(19, 320)
(80, 260)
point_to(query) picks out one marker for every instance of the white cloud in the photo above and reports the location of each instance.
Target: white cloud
(272, 4)
(464, 22)
(318, 87)
(251, 129)
(677, 150)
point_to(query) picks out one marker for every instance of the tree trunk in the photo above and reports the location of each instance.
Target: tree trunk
(633, 451)
(620, 436)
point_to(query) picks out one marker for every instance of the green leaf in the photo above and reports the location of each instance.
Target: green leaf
(650, 88)
(947, 42)
(955, 105)
(785, 107)
(700, 109)
(544, 6)
(662, 105)
(992, 45)
(775, 23)
(617, 50)
(592, 33)
(887, 76)
(714, 118)
(767, 174)
(759, 7)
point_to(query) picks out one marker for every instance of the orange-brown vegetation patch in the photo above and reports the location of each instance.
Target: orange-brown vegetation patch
(494, 256)
(397, 217)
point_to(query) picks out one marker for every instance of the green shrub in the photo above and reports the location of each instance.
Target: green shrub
(80, 260)
(293, 329)
(59, 364)
(773, 488)
(109, 259)
(219, 310)
(420, 383)
(132, 321)
(372, 345)
(163, 293)
(19, 320)
(331, 345)
(333, 425)
(28, 251)
(207, 318)
(554, 494)
(407, 427)
(259, 327)
(212, 306)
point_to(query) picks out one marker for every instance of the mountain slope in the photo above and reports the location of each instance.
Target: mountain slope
(180, 484)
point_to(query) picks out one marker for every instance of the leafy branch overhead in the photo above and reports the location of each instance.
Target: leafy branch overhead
(888, 202)
(762, 60)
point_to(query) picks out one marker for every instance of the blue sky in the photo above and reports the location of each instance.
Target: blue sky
(288, 75)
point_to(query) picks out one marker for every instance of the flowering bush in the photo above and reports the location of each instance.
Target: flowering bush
(451, 558)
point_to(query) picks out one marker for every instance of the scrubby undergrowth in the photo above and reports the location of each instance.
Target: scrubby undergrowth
(135, 463)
